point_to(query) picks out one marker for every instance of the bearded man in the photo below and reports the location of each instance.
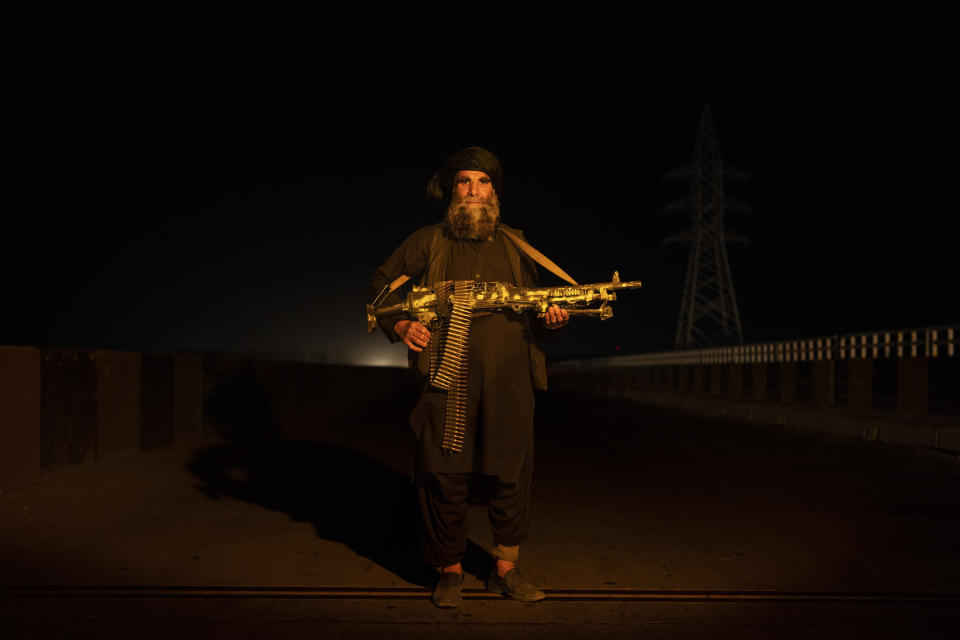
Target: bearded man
(492, 401)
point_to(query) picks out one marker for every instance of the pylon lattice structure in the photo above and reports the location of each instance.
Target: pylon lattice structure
(708, 309)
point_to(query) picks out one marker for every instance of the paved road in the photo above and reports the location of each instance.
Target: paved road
(646, 523)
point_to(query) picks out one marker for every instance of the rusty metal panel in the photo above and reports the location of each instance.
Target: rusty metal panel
(156, 404)
(118, 401)
(20, 416)
(68, 433)
(187, 398)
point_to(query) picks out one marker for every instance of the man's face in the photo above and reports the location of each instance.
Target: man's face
(472, 188)
(474, 207)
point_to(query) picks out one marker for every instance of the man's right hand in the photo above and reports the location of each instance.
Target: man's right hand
(413, 334)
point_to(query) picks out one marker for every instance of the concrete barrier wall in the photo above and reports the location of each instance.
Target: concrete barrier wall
(65, 407)
(913, 401)
(68, 408)
(913, 386)
(944, 384)
(187, 399)
(759, 375)
(118, 402)
(822, 383)
(19, 415)
(156, 401)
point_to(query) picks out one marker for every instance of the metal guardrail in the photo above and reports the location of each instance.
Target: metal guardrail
(931, 342)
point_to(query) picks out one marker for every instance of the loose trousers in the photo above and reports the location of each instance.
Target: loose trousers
(445, 497)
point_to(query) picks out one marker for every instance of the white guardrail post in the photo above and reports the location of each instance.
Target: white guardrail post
(861, 370)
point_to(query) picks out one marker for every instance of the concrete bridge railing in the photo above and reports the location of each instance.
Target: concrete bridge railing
(899, 386)
(61, 407)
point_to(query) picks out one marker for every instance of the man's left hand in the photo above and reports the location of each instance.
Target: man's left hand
(555, 317)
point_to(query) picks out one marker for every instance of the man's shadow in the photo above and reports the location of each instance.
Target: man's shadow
(348, 496)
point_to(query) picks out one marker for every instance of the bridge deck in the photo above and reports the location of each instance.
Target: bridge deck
(644, 520)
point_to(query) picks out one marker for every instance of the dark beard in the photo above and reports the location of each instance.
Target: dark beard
(473, 222)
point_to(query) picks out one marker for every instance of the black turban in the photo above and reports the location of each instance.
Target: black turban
(471, 159)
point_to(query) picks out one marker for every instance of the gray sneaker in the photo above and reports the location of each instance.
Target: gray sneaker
(513, 585)
(446, 594)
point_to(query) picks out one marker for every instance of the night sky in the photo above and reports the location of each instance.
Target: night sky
(214, 196)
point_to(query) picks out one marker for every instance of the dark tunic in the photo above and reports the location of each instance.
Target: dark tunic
(500, 388)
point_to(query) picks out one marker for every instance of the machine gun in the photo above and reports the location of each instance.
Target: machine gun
(427, 304)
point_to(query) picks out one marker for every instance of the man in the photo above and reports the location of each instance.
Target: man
(478, 426)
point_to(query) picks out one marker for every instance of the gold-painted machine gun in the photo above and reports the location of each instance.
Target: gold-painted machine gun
(427, 304)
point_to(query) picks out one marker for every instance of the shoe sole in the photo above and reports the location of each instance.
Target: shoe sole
(506, 593)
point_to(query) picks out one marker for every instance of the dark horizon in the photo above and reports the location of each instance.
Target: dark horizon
(219, 197)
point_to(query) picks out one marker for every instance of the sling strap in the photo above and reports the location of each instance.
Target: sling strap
(396, 284)
(541, 259)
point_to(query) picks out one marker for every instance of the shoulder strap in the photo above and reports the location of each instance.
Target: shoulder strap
(537, 256)
(397, 283)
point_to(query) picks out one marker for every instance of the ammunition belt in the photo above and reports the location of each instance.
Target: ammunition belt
(449, 362)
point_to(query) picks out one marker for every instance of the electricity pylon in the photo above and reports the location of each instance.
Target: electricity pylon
(708, 310)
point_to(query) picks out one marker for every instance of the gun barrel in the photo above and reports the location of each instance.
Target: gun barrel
(374, 314)
(390, 310)
(633, 284)
(604, 312)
